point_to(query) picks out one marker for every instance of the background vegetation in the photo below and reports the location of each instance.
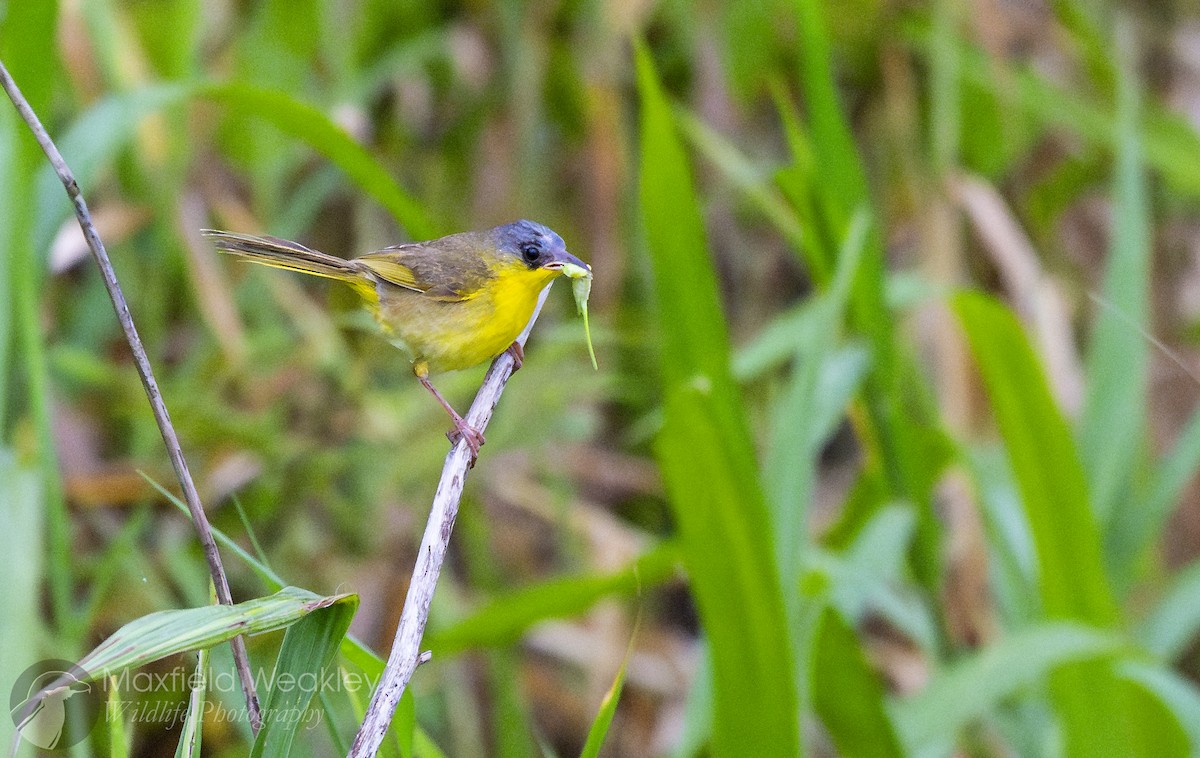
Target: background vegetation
(892, 444)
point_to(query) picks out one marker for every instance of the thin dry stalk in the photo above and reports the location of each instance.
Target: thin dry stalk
(1034, 294)
(406, 652)
(170, 439)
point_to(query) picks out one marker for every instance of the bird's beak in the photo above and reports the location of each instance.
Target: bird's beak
(564, 261)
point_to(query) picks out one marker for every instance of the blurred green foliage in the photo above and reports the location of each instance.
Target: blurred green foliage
(862, 507)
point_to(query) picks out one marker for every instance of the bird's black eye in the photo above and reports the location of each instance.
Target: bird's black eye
(531, 253)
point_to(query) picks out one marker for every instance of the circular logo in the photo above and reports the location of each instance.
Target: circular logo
(53, 705)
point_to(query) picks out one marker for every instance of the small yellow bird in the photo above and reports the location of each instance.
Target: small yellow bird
(449, 303)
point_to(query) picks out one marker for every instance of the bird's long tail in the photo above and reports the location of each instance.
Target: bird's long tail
(280, 253)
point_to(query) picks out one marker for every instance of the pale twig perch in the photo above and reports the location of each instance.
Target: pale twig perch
(170, 439)
(406, 648)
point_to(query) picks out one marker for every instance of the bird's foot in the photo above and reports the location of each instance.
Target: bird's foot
(518, 355)
(464, 431)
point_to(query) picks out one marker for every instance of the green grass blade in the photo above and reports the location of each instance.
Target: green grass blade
(803, 416)
(1171, 146)
(1044, 460)
(28, 30)
(901, 435)
(755, 183)
(354, 650)
(1010, 540)
(865, 576)
(848, 695)
(157, 635)
(91, 144)
(698, 707)
(268, 576)
(721, 512)
(799, 184)
(96, 138)
(1053, 489)
(1136, 528)
(308, 649)
(831, 137)
(748, 44)
(777, 343)
(9, 208)
(608, 706)
(503, 620)
(21, 564)
(1177, 694)
(1082, 23)
(697, 343)
(29, 346)
(405, 723)
(1154, 724)
(192, 731)
(1113, 419)
(708, 460)
(314, 127)
(970, 688)
(425, 747)
(1170, 628)
(119, 738)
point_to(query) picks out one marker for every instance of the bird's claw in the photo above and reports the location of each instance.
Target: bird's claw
(464, 431)
(518, 355)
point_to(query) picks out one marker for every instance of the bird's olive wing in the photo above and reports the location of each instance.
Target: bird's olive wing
(387, 265)
(451, 268)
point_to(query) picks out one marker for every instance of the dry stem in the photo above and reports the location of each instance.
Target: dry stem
(170, 439)
(406, 649)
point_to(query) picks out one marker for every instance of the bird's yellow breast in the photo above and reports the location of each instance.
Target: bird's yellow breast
(447, 336)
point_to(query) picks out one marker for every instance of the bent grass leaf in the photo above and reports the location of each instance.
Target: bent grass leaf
(157, 635)
(755, 183)
(353, 651)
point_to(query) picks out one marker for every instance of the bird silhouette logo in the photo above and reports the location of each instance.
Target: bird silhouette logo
(53, 705)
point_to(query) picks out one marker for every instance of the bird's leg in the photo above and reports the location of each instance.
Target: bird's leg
(518, 355)
(462, 430)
